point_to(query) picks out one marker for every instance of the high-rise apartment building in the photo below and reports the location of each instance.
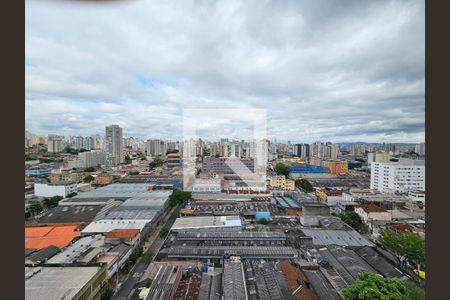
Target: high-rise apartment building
(301, 150)
(156, 148)
(379, 156)
(398, 177)
(420, 149)
(55, 143)
(114, 144)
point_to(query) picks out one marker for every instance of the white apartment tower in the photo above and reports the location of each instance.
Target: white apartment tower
(398, 177)
(114, 145)
(54, 143)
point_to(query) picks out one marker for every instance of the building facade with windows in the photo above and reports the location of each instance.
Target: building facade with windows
(398, 177)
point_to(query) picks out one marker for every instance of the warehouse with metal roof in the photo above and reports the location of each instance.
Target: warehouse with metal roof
(207, 223)
(267, 252)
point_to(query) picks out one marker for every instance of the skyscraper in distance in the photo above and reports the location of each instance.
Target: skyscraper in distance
(114, 145)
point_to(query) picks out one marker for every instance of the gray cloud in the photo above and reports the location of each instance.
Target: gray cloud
(334, 70)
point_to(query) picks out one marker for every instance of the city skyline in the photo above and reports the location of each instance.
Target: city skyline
(322, 71)
(291, 141)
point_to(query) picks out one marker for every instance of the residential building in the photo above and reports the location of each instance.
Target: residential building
(301, 150)
(281, 182)
(417, 196)
(371, 212)
(62, 188)
(55, 143)
(114, 145)
(398, 177)
(88, 159)
(37, 171)
(66, 176)
(379, 156)
(155, 148)
(174, 159)
(420, 149)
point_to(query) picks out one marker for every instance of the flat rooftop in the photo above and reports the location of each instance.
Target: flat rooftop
(268, 252)
(46, 283)
(321, 237)
(77, 249)
(125, 191)
(103, 226)
(232, 236)
(206, 222)
(71, 214)
(121, 213)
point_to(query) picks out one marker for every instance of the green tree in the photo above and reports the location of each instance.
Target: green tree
(281, 168)
(370, 286)
(107, 294)
(90, 169)
(157, 162)
(127, 159)
(135, 255)
(352, 219)
(179, 197)
(133, 173)
(304, 185)
(52, 201)
(164, 232)
(88, 179)
(35, 207)
(147, 257)
(263, 221)
(404, 244)
(70, 150)
(73, 194)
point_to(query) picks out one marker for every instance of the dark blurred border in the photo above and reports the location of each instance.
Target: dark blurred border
(12, 24)
(437, 135)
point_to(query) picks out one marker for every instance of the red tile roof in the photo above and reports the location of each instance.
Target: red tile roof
(122, 233)
(41, 237)
(369, 208)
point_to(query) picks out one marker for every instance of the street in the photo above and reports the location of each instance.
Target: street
(153, 245)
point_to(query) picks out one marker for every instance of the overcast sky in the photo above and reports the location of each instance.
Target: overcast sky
(324, 70)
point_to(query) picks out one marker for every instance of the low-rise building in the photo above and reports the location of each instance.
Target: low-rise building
(206, 185)
(281, 182)
(38, 171)
(66, 176)
(371, 212)
(61, 188)
(103, 179)
(44, 283)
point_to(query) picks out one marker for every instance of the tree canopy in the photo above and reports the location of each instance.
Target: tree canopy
(304, 185)
(35, 207)
(88, 178)
(370, 286)
(90, 169)
(263, 221)
(157, 162)
(352, 219)
(73, 194)
(281, 168)
(53, 201)
(179, 197)
(406, 244)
